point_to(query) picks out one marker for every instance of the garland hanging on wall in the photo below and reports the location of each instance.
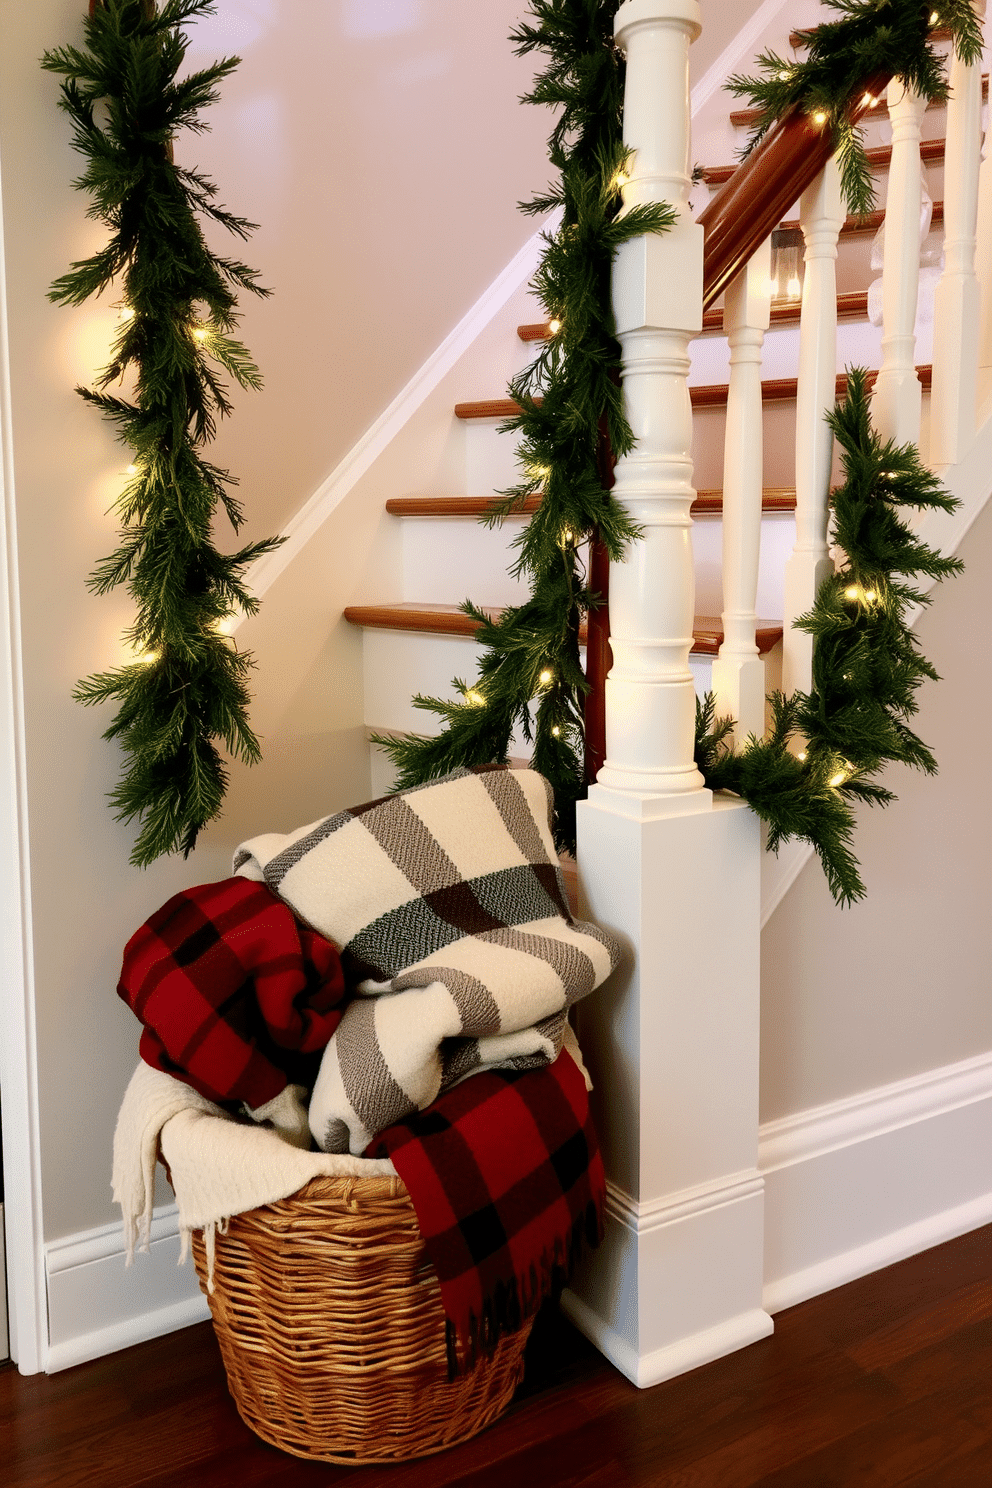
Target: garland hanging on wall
(187, 686)
(867, 665)
(875, 37)
(570, 407)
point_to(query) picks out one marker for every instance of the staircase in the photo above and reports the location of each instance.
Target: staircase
(418, 639)
(674, 1045)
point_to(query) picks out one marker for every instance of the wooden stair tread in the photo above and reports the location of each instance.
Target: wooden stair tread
(743, 118)
(775, 390)
(445, 619)
(453, 506)
(773, 499)
(852, 306)
(781, 389)
(879, 156)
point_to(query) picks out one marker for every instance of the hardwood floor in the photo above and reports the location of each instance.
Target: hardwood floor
(883, 1383)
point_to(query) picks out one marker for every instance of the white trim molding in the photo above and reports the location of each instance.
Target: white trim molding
(97, 1303)
(701, 1237)
(863, 1182)
(18, 1047)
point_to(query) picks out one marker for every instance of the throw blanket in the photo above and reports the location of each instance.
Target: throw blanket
(237, 998)
(219, 1166)
(449, 894)
(505, 1174)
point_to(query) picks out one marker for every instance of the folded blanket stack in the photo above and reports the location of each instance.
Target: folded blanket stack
(458, 957)
(448, 904)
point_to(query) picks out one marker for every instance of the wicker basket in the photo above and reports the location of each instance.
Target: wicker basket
(329, 1320)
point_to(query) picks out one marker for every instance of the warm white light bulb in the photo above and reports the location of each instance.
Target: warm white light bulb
(837, 779)
(131, 470)
(819, 117)
(475, 698)
(802, 756)
(125, 313)
(622, 178)
(934, 18)
(851, 592)
(871, 596)
(784, 77)
(200, 333)
(556, 732)
(554, 326)
(146, 658)
(546, 677)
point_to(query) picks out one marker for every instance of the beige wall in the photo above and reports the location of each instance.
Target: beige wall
(899, 983)
(381, 146)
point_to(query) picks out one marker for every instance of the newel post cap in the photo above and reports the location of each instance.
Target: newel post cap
(634, 13)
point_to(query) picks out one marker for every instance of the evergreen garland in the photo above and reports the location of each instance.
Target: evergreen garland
(571, 409)
(874, 37)
(867, 665)
(188, 686)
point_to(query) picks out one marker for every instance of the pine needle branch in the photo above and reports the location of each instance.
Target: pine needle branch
(188, 686)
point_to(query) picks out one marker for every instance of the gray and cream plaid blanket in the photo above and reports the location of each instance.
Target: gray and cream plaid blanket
(448, 904)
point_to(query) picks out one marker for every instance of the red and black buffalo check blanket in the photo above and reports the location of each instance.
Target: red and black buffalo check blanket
(237, 997)
(505, 1175)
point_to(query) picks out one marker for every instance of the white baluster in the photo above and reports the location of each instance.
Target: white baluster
(739, 672)
(657, 291)
(821, 214)
(897, 402)
(957, 301)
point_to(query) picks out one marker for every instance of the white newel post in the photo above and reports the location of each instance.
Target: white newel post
(957, 303)
(821, 215)
(738, 678)
(897, 402)
(672, 1040)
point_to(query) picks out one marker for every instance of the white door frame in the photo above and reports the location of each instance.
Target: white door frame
(26, 1289)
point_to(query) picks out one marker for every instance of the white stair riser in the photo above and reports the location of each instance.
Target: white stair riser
(398, 663)
(449, 559)
(778, 536)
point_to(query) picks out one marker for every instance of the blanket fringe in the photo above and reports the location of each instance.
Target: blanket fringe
(513, 1303)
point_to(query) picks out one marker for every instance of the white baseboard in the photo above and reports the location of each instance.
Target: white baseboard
(849, 1187)
(673, 1359)
(856, 1185)
(98, 1304)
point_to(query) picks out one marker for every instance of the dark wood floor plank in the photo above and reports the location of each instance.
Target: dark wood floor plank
(884, 1383)
(927, 1327)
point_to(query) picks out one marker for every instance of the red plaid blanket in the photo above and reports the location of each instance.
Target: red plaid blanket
(506, 1177)
(237, 997)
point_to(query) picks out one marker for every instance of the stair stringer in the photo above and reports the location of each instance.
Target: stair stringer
(971, 483)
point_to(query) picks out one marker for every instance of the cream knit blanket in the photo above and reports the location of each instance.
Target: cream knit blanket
(219, 1166)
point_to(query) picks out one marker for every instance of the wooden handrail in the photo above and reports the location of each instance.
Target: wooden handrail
(759, 193)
